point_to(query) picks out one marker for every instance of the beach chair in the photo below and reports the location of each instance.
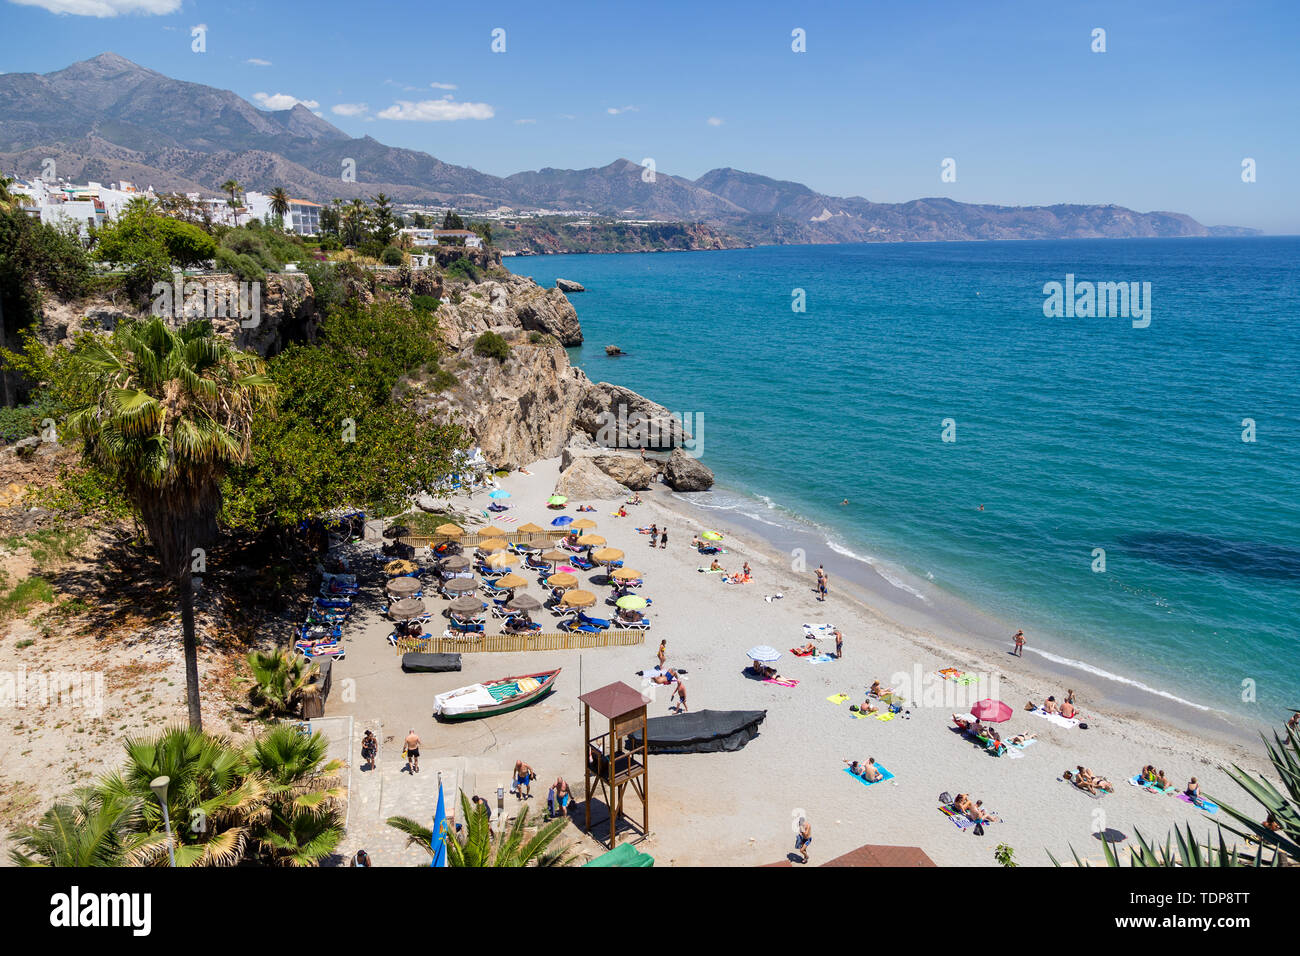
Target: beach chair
(573, 624)
(638, 624)
(339, 603)
(467, 627)
(598, 622)
(514, 626)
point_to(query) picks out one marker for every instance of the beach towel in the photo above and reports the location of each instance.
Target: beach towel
(1207, 805)
(967, 679)
(710, 571)
(961, 821)
(1137, 781)
(950, 673)
(1074, 786)
(884, 775)
(838, 698)
(821, 659)
(783, 682)
(818, 632)
(801, 653)
(1017, 751)
(1057, 718)
(883, 716)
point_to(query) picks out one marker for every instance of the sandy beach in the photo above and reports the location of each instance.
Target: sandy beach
(740, 808)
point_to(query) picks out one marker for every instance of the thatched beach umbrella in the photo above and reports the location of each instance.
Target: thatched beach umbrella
(591, 540)
(531, 528)
(492, 545)
(404, 587)
(607, 555)
(578, 599)
(562, 581)
(449, 530)
(626, 574)
(406, 609)
(554, 556)
(583, 524)
(466, 604)
(460, 585)
(400, 566)
(523, 602)
(512, 581)
(457, 562)
(499, 560)
(492, 531)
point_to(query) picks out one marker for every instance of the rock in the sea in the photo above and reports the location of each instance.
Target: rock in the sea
(629, 470)
(584, 481)
(614, 350)
(568, 285)
(512, 302)
(684, 473)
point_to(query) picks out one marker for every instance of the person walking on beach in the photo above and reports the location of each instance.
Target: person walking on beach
(679, 691)
(369, 750)
(1019, 638)
(413, 752)
(803, 837)
(524, 775)
(663, 537)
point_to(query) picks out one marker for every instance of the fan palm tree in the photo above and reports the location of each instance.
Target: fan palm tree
(303, 826)
(98, 829)
(510, 847)
(166, 412)
(282, 681)
(280, 202)
(232, 186)
(214, 798)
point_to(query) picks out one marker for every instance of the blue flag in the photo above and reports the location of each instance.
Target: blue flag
(438, 841)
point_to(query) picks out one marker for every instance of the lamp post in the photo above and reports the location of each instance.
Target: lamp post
(159, 787)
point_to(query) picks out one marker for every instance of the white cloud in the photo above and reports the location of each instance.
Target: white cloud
(614, 110)
(350, 109)
(443, 86)
(104, 8)
(715, 121)
(436, 111)
(525, 122)
(282, 101)
(257, 61)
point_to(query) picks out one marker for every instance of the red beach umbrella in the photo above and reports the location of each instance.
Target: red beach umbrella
(992, 711)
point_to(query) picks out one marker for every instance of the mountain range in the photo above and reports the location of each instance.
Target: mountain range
(108, 118)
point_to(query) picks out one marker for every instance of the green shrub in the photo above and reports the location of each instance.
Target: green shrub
(392, 256)
(244, 267)
(463, 269)
(24, 421)
(424, 303)
(492, 345)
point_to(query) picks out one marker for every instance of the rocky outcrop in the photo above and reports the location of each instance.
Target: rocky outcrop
(618, 417)
(568, 285)
(612, 350)
(628, 470)
(583, 481)
(512, 303)
(684, 473)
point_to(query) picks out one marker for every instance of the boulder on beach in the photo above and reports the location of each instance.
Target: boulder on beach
(568, 285)
(630, 470)
(583, 481)
(684, 473)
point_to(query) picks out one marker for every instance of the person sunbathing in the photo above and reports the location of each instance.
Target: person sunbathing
(765, 672)
(1067, 710)
(1022, 739)
(1049, 706)
(868, 707)
(878, 691)
(715, 566)
(1162, 781)
(961, 721)
(1193, 791)
(962, 804)
(667, 677)
(1148, 774)
(806, 650)
(1084, 785)
(1101, 783)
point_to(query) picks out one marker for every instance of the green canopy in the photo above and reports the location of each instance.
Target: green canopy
(625, 854)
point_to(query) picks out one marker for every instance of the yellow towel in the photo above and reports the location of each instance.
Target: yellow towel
(883, 716)
(528, 684)
(838, 698)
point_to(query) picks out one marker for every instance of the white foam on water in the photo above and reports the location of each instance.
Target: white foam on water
(1097, 671)
(879, 568)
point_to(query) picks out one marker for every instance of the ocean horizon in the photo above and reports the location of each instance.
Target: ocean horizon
(1121, 485)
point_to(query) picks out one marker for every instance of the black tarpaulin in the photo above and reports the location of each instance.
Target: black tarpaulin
(430, 663)
(703, 731)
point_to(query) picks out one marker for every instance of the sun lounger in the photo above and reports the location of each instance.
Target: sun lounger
(573, 624)
(884, 775)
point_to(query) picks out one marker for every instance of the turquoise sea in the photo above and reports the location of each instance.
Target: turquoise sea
(1075, 434)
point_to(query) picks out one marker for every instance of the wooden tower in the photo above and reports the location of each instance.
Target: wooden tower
(609, 761)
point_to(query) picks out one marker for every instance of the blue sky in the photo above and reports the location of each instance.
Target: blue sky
(885, 92)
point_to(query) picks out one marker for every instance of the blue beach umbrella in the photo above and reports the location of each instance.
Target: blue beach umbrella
(561, 520)
(500, 493)
(438, 842)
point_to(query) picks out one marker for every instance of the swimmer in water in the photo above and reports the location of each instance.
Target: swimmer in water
(981, 507)
(844, 502)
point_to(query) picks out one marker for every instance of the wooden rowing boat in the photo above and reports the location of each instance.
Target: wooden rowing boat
(494, 697)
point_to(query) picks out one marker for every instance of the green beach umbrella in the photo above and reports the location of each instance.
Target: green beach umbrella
(556, 500)
(630, 603)
(711, 536)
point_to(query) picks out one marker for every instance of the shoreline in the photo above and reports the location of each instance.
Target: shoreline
(892, 596)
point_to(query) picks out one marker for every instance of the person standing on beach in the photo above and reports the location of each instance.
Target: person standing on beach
(663, 537)
(369, 750)
(803, 837)
(1019, 638)
(654, 535)
(822, 583)
(663, 653)
(679, 691)
(839, 645)
(413, 752)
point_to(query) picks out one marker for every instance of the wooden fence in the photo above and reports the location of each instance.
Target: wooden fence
(513, 643)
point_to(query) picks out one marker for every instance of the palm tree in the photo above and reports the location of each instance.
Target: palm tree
(213, 800)
(166, 412)
(232, 186)
(280, 202)
(511, 847)
(98, 829)
(282, 681)
(303, 825)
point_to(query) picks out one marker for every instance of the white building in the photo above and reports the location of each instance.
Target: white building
(428, 238)
(65, 205)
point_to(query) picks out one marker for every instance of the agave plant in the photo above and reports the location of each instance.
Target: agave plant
(283, 680)
(511, 847)
(98, 829)
(212, 800)
(1188, 852)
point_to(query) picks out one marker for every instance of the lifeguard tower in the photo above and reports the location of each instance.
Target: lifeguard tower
(611, 764)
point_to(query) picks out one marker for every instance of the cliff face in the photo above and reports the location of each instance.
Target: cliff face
(506, 305)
